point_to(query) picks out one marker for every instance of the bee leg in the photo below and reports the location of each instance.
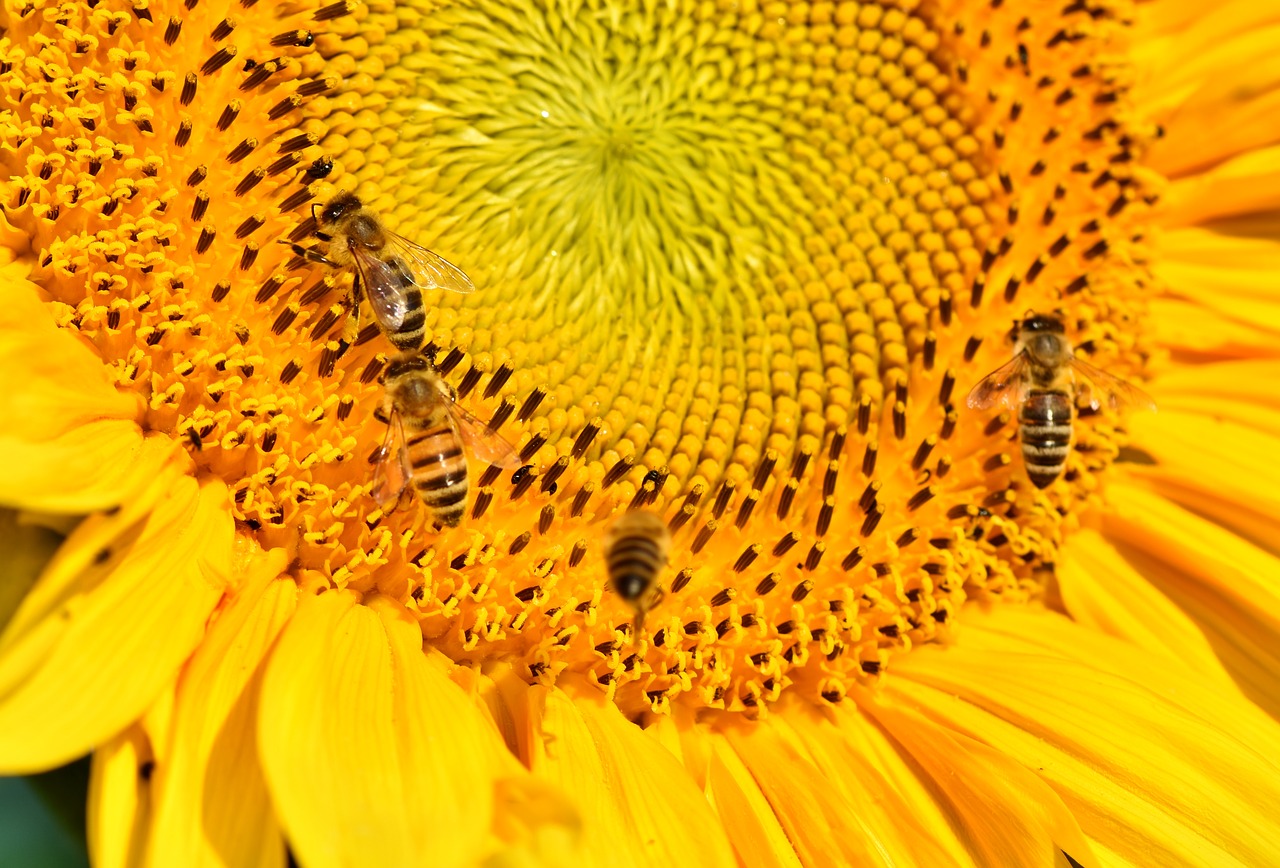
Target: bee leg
(311, 254)
(351, 329)
(405, 498)
(652, 599)
(659, 595)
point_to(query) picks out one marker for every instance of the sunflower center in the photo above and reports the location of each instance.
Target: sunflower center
(737, 266)
(743, 218)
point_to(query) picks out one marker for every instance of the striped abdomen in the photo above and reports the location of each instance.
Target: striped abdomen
(634, 561)
(635, 554)
(1045, 431)
(411, 331)
(438, 468)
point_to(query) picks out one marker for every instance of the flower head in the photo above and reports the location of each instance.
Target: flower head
(738, 266)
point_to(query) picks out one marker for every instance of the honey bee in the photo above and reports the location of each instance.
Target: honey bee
(389, 270)
(636, 548)
(426, 434)
(1041, 382)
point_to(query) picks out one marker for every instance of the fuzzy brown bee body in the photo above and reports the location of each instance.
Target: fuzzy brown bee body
(636, 549)
(1045, 433)
(1040, 381)
(426, 435)
(391, 272)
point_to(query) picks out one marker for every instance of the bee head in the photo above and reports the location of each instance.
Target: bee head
(1039, 322)
(343, 203)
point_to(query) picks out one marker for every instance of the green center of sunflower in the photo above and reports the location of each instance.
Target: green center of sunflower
(737, 266)
(696, 202)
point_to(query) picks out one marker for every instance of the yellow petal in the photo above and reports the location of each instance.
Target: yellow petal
(211, 804)
(1160, 766)
(110, 621)
(832, 797)
(535, 825)
(119, 800)
(505, 697)
(406, 755)
(1104, 591)
(639, 806)
(1195, 332)
(1245, 183)
(68, 435)
(464, 753)
(1215, 467)
(1217, 103)
(54, 382)
(27, 548)
(928, 833)
(818, 823)
(1184, 20)
(1242, 392)
(89, 468)
(1232, 276)
(1230, 588)
(1007, 814)
(748, 818)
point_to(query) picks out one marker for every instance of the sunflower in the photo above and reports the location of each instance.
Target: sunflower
(738, 264)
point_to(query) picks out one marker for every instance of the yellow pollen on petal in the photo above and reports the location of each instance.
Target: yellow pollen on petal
(738, 263)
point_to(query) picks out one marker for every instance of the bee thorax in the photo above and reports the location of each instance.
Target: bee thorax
(364, 230)
(416, 394)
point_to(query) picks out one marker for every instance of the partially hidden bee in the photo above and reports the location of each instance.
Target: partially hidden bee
(428, 438)
(389, 270)
(636, 549)
(1040, 381)
(320, 169)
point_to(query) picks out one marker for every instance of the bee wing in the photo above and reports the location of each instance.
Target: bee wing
(391, 472)
(1116, 392)
(428, 270)
(480, 440)
(998, 387)
(383, 283)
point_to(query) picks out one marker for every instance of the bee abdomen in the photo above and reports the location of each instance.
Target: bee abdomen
(1045, 432)
(447, 504)
(439, 469)
(633, 563)
(409, 334)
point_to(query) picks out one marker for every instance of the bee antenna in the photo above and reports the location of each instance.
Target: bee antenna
(314, 206)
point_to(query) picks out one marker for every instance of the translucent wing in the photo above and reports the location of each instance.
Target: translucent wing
(426, 270)
(479, 439)
(384, 284)
(1117, 393)
(391, 472)
(1003, 386)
